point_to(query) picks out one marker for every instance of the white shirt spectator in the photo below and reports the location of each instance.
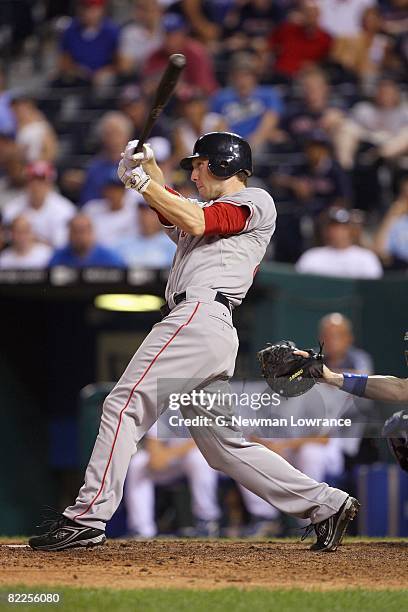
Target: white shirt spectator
(342, 17)
(136, 43)
(37, 257)
(49, 223)
(385, 120)
(112, 226)
(30, 138)
(352, 262)
(8, 192)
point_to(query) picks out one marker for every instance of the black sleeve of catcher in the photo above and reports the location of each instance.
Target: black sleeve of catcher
(396, 431)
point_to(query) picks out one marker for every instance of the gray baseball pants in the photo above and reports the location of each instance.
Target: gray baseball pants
(196, 341)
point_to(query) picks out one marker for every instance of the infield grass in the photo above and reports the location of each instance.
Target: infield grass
(222, 600)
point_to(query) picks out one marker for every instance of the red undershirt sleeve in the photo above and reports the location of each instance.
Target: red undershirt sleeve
(220, 218)
(225, 218)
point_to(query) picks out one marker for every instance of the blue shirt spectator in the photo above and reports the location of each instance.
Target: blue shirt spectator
(99, 173)
(147, 251)
(152, 248)
(115, 130)
(7, 119)
(244, 114)
(82, 250)
(97, 256)
(251, 110)
(91, 39)
(397, 243)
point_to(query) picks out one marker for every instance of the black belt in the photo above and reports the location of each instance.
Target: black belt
(180, 297)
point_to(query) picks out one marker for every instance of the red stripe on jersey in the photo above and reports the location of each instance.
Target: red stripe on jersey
(225, 218)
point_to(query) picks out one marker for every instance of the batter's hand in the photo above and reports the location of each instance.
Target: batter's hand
(133, 179)
(132, 159)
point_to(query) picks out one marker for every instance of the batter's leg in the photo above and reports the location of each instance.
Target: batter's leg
(260, 470)
(178, 348)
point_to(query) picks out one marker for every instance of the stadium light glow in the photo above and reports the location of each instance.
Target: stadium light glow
(123, 302)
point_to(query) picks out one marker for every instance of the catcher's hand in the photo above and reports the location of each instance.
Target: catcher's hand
(287, 370)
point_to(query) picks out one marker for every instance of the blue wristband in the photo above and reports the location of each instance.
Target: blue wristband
(354, 383)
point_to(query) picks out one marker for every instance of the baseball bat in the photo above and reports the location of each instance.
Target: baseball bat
(167, 84)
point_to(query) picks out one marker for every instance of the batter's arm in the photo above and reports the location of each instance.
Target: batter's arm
(176, 209)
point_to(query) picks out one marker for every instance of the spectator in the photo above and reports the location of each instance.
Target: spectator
(316, 110)
(319, 182)
(299, 44)
(134, 104)
(82, 249)
(383, 122)
(391, 241)
(365, 53)
(152, 248)
(340, 354)
(141, 37)
(248, 24)
(250, 110)
(395, 13)
(24, 252)
(162, 462)
(3, 239)
(399, 53)
(199, 71)
(342, 18)
(114, 130)
(47, 211)
(13, 180)
(339, 256)
(89, 46)
(206, 17)
(35, 136)
(7, 119)
(195, 120)
(114, 217)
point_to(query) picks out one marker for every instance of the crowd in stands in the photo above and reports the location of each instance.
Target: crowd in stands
(318, 88)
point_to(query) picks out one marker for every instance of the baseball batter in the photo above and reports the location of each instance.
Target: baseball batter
(221, 241)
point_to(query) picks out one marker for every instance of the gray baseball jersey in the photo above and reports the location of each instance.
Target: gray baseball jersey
(224, 263)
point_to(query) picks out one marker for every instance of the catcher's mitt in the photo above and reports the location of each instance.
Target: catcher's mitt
(396, 431)
(289, 374)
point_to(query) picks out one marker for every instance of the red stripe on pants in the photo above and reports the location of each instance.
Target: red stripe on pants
(127, 404)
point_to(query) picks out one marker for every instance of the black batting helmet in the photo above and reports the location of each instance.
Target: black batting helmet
(227, 154)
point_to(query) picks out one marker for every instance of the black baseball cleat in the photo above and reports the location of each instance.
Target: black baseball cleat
(330, 532)
(64, 533)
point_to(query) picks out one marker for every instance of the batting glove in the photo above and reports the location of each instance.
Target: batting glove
(132, 159)
(135, 178)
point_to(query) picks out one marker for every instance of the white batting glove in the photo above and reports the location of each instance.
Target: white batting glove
(132, 159)
(135, 178)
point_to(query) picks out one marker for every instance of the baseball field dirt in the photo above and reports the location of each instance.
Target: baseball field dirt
(187, 564)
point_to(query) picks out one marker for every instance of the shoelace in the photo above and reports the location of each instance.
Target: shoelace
(49, 522)
(307, 531)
